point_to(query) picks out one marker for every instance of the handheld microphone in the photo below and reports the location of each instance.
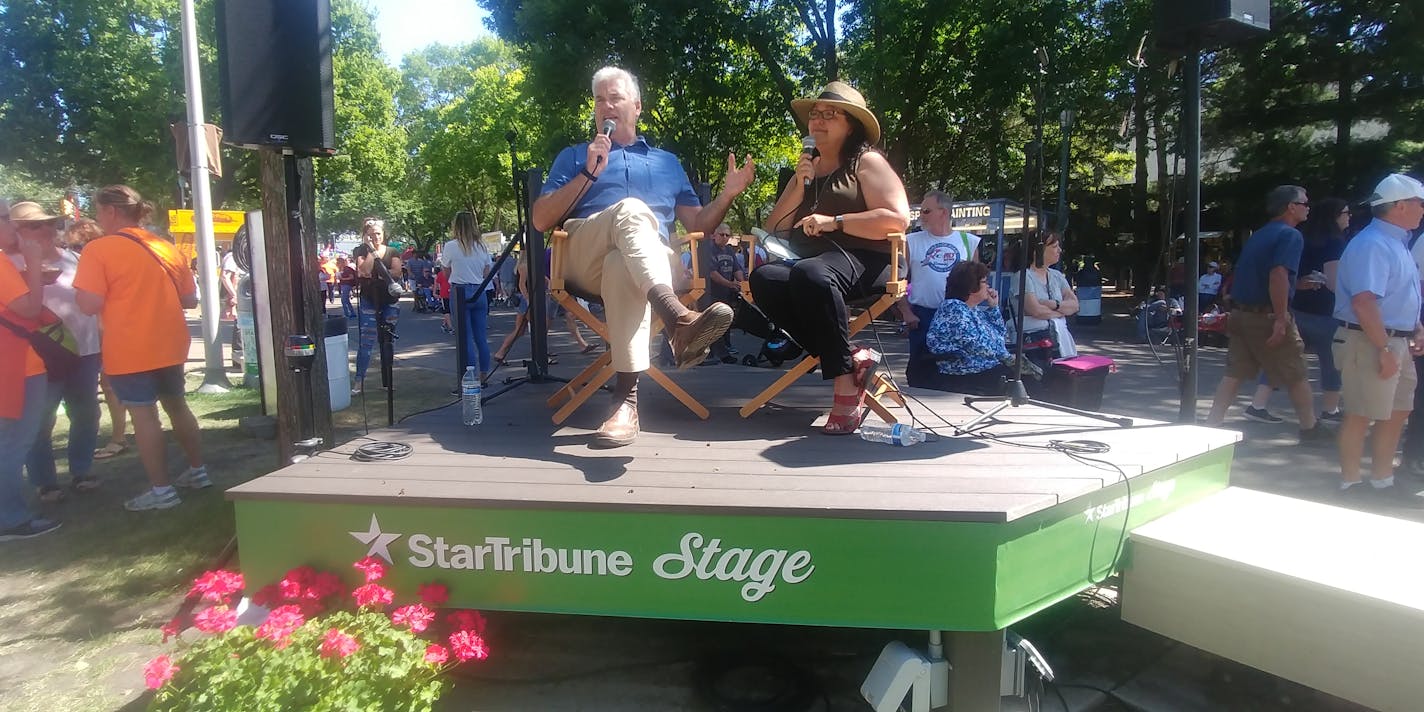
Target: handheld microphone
(607, 130)
(808, 148)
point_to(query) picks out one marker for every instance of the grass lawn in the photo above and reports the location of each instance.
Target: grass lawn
(80, 608)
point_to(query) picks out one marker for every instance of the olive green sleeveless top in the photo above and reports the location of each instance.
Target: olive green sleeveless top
(838, 193)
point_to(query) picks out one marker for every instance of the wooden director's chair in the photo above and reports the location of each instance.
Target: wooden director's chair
(864, 311)
(588, 381)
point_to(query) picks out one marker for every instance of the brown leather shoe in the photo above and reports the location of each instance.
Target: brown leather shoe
(696, 331)
(620, 429)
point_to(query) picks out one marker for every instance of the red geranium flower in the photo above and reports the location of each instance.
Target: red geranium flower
(434, 594)
(158, 671)
(295, 582)
(372, 567)
(466, 619)
(436, 654)
(338, 644)
(268, 596)
(280, 625)
(216, 586)
(171, 629)
(468, 645)
(373, 595)
(323, 585)
(218, 619)
(415, 616)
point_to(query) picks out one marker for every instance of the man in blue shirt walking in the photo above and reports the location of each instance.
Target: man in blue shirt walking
(1377, 309)
(617, 197)
(1263, 335)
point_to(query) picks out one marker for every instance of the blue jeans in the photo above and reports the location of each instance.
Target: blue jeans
(366, 336)
(474, 326)
(917, 335)
(16, 437)
(1318, 331)
(346, 309)
(80, 395)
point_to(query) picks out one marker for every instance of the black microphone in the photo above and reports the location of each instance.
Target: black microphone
(808, 148)
(608, 126)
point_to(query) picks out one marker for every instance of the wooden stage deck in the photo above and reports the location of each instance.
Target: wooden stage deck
(752, 520)
(774, 463)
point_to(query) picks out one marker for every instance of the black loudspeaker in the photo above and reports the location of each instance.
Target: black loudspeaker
(274, 61)
(1209, 23)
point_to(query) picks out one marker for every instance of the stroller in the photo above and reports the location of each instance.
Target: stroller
(777, 347)
(425, 300)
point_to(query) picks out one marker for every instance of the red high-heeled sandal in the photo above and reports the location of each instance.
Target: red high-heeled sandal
(865, 361)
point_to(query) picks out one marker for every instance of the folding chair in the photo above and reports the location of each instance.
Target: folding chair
(588, 381)
(864, 311)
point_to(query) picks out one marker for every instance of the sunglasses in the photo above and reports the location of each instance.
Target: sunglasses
(32, 226)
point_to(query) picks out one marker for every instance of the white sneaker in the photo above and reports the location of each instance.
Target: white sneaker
(194, 478)
(152, 500)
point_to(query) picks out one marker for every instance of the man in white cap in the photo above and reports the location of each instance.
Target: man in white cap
(1208, 287)
(1377, 307)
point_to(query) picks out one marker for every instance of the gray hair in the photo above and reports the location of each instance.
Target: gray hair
(610, 73)
(1280, 198)
(940, 197)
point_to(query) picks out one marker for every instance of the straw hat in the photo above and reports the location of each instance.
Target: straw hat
(845, 97)
(30, 212)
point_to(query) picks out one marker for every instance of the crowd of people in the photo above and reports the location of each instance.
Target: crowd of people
(110, 302)
(116, 299)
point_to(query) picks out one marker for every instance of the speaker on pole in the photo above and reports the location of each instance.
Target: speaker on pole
(1209, 23)
(274, 62)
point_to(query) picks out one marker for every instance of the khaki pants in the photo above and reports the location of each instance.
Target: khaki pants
(618, 255)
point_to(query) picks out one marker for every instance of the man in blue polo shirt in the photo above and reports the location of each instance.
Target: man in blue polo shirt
(1377, 309)
(617, 197)
(1263, 335)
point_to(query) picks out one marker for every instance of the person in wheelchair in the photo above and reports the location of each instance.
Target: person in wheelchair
(843, 202)
(965, 349)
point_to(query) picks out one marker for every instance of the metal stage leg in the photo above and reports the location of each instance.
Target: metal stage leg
(976, 661)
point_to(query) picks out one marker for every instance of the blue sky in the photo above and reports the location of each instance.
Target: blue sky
(407, 25)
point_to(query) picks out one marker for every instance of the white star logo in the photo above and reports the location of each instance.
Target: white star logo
(378, 540)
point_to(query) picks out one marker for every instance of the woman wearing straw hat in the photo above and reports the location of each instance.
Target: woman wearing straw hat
(838, 209)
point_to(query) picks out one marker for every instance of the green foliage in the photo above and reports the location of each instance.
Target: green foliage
(236, 671)
(368, 174)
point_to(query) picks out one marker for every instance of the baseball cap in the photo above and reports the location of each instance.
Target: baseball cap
(1213, 264)
(1396, 187)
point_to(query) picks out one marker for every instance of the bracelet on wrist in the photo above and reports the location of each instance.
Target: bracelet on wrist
(591, 177)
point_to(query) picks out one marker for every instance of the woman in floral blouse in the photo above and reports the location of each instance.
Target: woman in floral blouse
(966, 336)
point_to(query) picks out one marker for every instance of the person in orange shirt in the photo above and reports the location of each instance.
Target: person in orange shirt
(22, 383)
(139, 285)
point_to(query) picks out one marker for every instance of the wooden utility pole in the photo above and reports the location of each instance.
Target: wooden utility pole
(289, 229)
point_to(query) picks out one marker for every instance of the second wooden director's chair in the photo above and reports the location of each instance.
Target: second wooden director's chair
(588, 381)
(864, 311)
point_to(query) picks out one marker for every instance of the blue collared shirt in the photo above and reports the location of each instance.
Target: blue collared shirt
(640, 171)
(1276, 244)
(1378, 261)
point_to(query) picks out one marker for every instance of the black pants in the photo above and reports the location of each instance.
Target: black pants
(986, 383)
(808, 300)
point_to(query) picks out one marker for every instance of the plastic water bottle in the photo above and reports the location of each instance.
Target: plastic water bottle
(470, 397)
(897, 434)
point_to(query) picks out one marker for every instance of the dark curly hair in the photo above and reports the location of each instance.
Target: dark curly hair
(964, 279)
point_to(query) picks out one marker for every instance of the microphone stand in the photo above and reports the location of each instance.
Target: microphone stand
(1015, 394)
(533, 241)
